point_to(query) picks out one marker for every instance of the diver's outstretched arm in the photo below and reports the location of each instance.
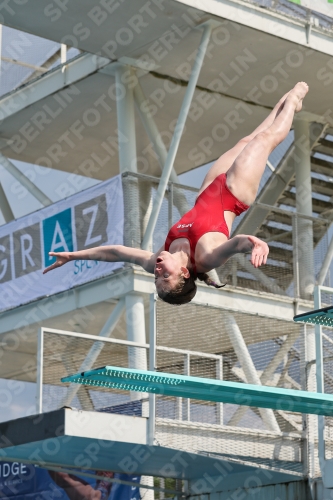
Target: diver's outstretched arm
(108, 253)
(241, 243)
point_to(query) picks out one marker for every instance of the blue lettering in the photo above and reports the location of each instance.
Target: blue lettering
(57, 234)
(81, 265)
(77, 268)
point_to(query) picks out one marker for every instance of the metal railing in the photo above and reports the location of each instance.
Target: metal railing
(293, 10)
(69, 361)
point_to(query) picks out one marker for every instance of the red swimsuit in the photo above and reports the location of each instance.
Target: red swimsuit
(207, 215)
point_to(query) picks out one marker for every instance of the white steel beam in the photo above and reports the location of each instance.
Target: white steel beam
(63, 53)
(252, 377)
(178, 132)
(267, 374)
(4, 206)
(268, 21)
(22, 179)
(128, 280)
(50, 83)
(326, 465)
(128, 154)
(40, 69)
(136, 332)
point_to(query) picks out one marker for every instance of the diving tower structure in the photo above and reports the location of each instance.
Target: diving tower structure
(114, 110)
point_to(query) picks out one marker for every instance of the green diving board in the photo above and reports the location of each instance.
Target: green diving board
(323, 317)
(167, 384)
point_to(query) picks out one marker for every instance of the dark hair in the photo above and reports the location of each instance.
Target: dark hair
(186, 288)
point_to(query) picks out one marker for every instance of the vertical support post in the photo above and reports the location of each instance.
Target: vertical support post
(63, 53)
(149, 480)
(136, 332)
(304, 207)
(311, 420)
(187, 368)
(177, 134)
(152, 367)
(127, 156)
(219, 376)
(319, 344)
(39, 381)
(304, 385)
(319, 375)
(303, 252)
(162, 485)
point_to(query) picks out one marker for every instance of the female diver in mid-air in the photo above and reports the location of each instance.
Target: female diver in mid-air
(199, 241)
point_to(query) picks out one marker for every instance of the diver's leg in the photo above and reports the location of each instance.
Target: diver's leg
(245, 173)
(222, 164)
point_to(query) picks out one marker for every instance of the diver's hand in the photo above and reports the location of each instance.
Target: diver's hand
(62, 258)
(259, 252)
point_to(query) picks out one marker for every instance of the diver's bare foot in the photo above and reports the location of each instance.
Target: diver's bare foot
(299, 92)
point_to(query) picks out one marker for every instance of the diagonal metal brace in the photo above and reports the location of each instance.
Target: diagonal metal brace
(177, 133)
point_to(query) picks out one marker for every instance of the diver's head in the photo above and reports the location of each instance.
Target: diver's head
(183, 291)
(175, 282)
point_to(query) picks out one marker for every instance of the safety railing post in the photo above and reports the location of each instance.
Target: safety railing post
(219, 376)
(152, 367)
(187, 364)
(319, 374)
(39, 379)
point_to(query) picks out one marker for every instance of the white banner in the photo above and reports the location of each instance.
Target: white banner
(322, 6)
(91, 218)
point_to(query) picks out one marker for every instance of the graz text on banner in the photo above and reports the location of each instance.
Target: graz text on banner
(91, 218)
